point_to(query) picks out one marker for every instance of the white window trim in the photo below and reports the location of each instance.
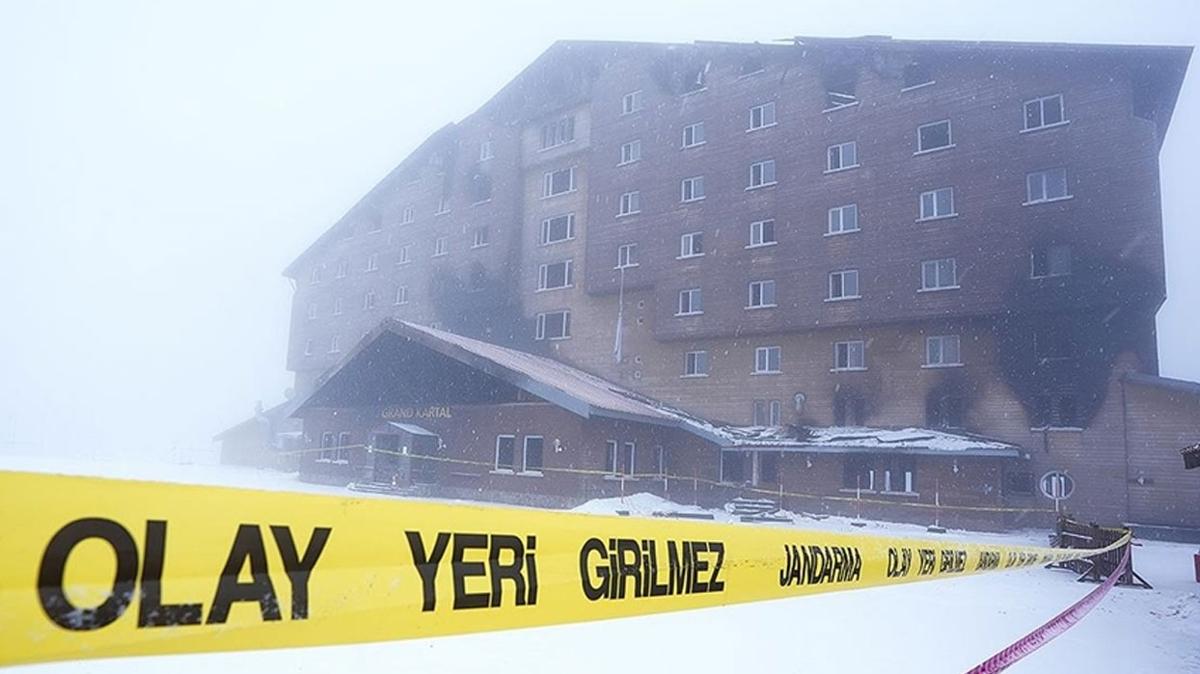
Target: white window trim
(752, 128)
(540, 326)
(841, 298)
(1044, 127)
(765, 244)
(683, 189)
(546, 226)
(937, 366)
(636, 98)
(839, 170)
(750, 296)
(689, 256)
(692, 375)
(398, 301)
(847, 167)
(766, 184)
(1063, 107)
(829, 213)
(685, 146)
(627, 265)
(636, 159)
(935, 289)
(690, 312)
(861, 368)
(950, 135)
(953, 205)
(621, 199)
(938, 217)
(757, 371)
(547, 174)
(1066, 197)
(922, 85)
(496, 456)
(542, 273)
(537, 472)
(843, 106)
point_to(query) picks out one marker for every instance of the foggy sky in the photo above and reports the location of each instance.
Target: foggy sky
(161, 164)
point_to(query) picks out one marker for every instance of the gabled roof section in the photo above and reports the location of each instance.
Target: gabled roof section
(590, 396)
(1165, 383)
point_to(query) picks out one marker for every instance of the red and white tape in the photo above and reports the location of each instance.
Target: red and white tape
(1052, 628)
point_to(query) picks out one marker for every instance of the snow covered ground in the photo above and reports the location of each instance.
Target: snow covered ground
(943, 626)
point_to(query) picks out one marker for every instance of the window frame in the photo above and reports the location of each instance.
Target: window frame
(1041, 103)
(568, 275)
(525, 469)
(635, 152)
(761, 228)
(565, 125)
(842, 166)
(938, 274)
(512, 464)
(542, 323)
(1044, 174)
(544, 234)
(686, 195)
(695, 298)
(684, 145)
(762, 359)
(1046, 253)
(441, 246)
(922, 217)
(626, 256)
(841, 216)
(949, 137)
(401, 295)
(692, 360)
(762, 165)
(687, 245)
(942, 341)
(849, 345)
(632, 199)
(631, 102)
(548, 182)
(762, 286)
(762, 109)
(843, 274)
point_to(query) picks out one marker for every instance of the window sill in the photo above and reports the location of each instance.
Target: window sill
(628, 163)
(932, 150)
(841, 169)
(1048, 201)
(334, 462)
(689, 257)
(405, 263)
(501, 471)
(560, 194)
(914, 87)
(765, 373)
(557, 145)
(690, 313)
(445, 212)
(844, 231)
(552, 339)
(847, 369)
(906, 494)
(839, 107)
(761, 306)
(1056, 429)
(693, 92)
(747, 75)
(688, 147)
(439, 255)
(760, 128)
(478, 245)
(548, 290)
(765, 244)
(759, 187)
(1045, 127)
(937, 290)
(693, 376)
(530, 473)
(1044, 277)
(551, 243)
(938, 217)
(625, 266)
(691, 201)
(843, 299)
(940, 366)
(626, 215)
(617, 476)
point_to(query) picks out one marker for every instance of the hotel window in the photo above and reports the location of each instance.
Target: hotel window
(506, 452)
(857, 473)
(1044, 112)
(337, 306)
(553, 325)
(690, 302)
(308, 347)
(533, 454)
(942, 351)
(1048, 185)
(899, 475)
(559, 132)
(479, 237)
(405, 254)
(343, 268)
(406, 216)
(441, 246)
(691, 245)
(939, 274)
(369, 300)
(695, 364)
(335, 344)
(558, 228)
(937, 203)
(631, 102)
(555, 275)
(558, 182)
(691, 189)
(762, 116)
(843, 219)
(843, 284)
(767, 413)
(1049, 261)
(626, 255)
(315, 276)
(312, 311)
(443, 205)
(610, 456)
(762, 233)
(934, 136)
(767, 360)
(849, 355)
(762, 173)
(762, 294)
(631, 152)
(373, 262)
(631, 202)
(402, 295)
(842, 156)
(693, 135)
(485, 150)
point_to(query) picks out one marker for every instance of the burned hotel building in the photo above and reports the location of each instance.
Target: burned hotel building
(888, 277)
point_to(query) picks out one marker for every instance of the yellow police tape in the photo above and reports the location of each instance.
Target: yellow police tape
(99, 568)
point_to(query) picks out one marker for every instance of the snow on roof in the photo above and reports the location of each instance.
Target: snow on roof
(605, 398)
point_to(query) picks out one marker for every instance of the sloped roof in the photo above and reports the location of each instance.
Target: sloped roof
(588, 395)
(1167, 383)
(266, 419)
